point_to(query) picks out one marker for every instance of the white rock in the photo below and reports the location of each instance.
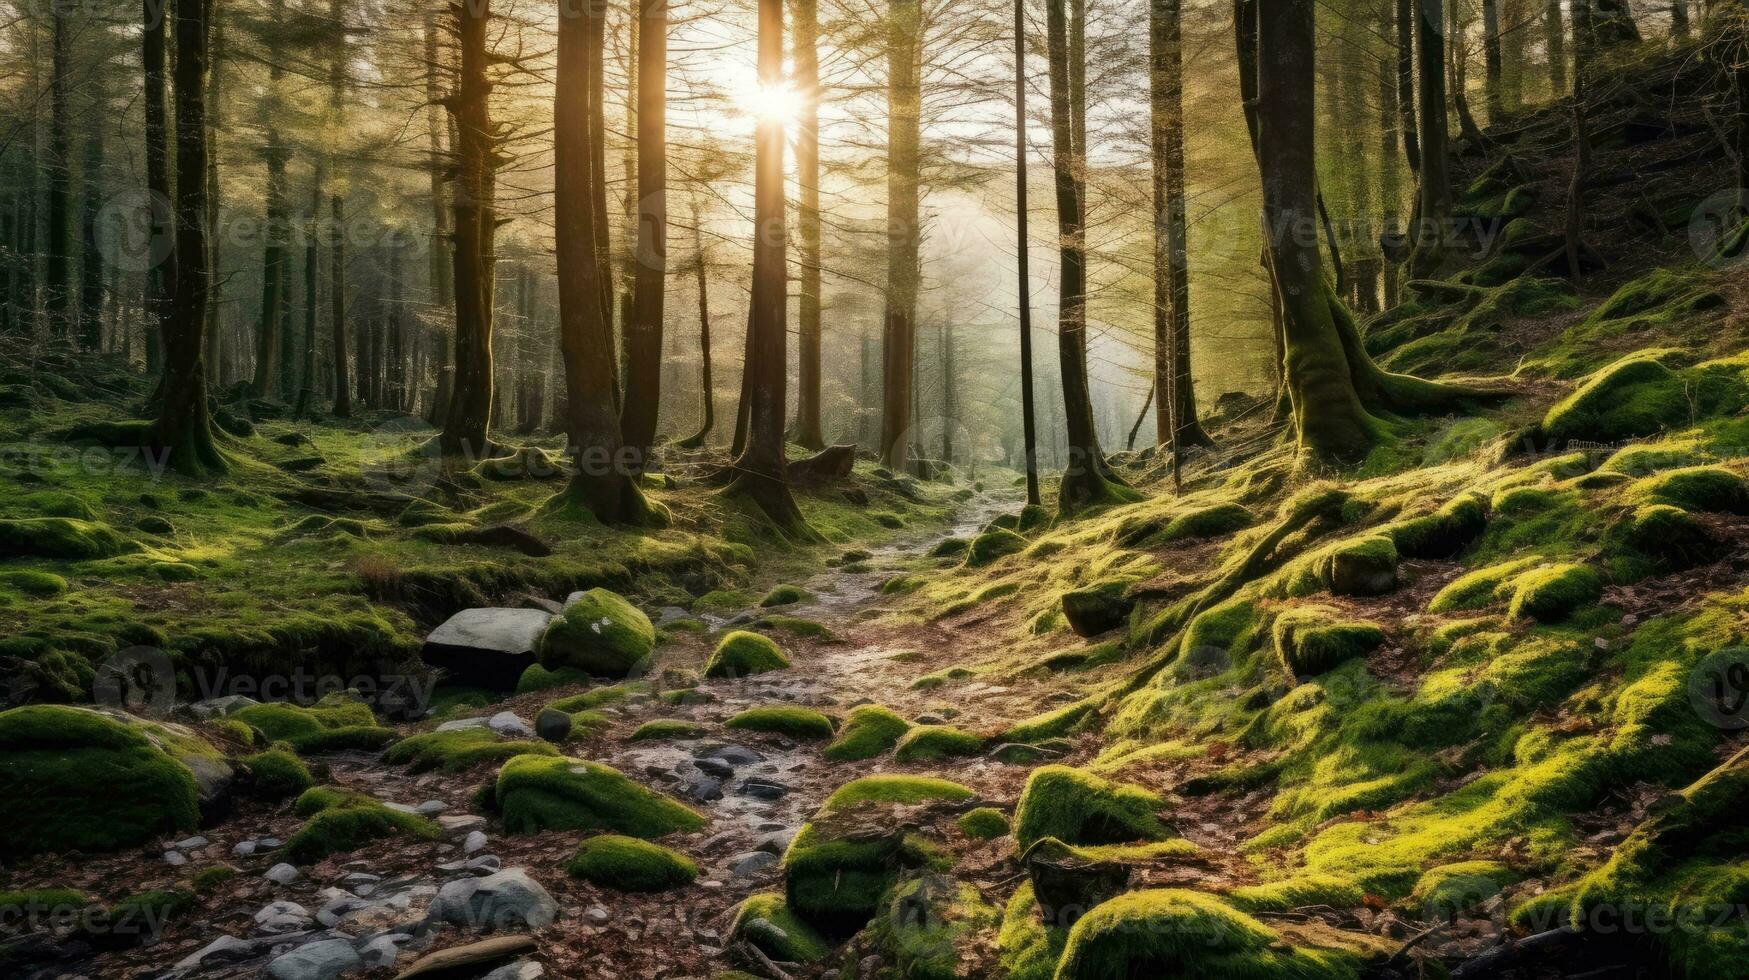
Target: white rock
(523, 970)
(244, 848)
(225, 949)
(506, 900)
(382, 951)
(283, 917)
(461, 723)
(283, 874)
(190, 844)
(507, 723)
(324, 960)
(175, 859)
(475, 841)
(431, 808)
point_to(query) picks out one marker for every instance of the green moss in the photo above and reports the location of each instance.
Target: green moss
(1554, 592)
(75, 779)
(744, 654)
(1480, 588)
(1443, 533)
(794, 722)
(34, 904)
(65, 538)
(931, 743)
(1450, 890)
(1077, 807)
(869, 730)
(333, 725)
(600, 697)
(539, 678)
(926, 924)
(1635, 397)
(460, 749)
(1297, 892)
(785, 595)
(902, 585)
(899, 790)
(1312, 640)
(807, 629)
(600, 634)
(984, 823)
(766, 921)
(35, 584)
(539, 793)
(1659, 540)
(1359, 566)
(208, 880)
(941, 678)
(1697, 488)
(630, 865)
(1168, 933)
(1026, 948)
(1049, 725)
(1645, 460)
(667, 729)
(339, 822)
(276, 775)
(992, 546)
(1098, 608)
(950, 548)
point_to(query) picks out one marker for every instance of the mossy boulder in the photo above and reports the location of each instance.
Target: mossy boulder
(35, 584)
(628, 864)
(928, 924)
(1634, 397)
(63, 538)
(1049, 725)
(78, 779)
(599, 633)
(1706, 489)
(1216, 521)
(950, 548)
(744, 654)
(537, 793)
(785, 595)
(666, 729)
(868, 731)
(1359, 566)
(460, 749)
(932, 743)
(984, 823)
(765, 921)
(1171, 933)
(1300, 891)
(1554, 592)
(339, 822)
(1443, 533)
(1098, 608)
(1078, 807)
(1660, 539)
(539, 678)
(1314, 640)
(1481, 588)
(843, 861)
(798, 723)
(1445, 892)
(992, 546)
(336, 723)
(274, 775)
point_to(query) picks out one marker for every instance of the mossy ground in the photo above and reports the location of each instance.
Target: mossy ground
(536, 793)
(630, 865)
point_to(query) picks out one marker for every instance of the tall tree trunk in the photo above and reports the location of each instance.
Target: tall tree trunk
(707, 384)
(1614, 24)
(1494, 61)
(805, 37)
(1679, 26)
(1391, 121)
(275, 280)
(899, 340)
(183, 430)
(603, 484)
(1028, 422)
(1083, 483)
(91, 275)
(161, 274)
(478, 155)
(1434, 212)
(312, 263)
(1555, 38)
(598, 186)
(58, 286)
(1406, 21)
(762, 470)
(219, 347)
(1176, 424)
(337, 233)
(643, 384)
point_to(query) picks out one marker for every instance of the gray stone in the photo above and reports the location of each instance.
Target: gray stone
(508, 723)
(775, 842)
(225, 949)
(337, 909)
(190, 843)
(553, 725)
(764, 789)
(323, 960)
(524, 970)
(244, 848)
(702, 789)
(175, 859)
(487, 648)
(283, 916)
(457, 724)
(475, 841)
(431, 808)
(461, 824)
(595, 915)
(734, 755)
(222, 707)
(382, 951)
(715, 768)
(752, 862)
(283, 874)
(506, 900)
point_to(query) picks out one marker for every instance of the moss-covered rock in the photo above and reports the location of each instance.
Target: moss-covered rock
(798, 723)
(869, 730)
(1707, 489)
(275, 775)
(785, 595)
(1098, 608)
(1312, 640)
(64, 538)
(950, 548)
(1300, 891)
(932, 743)
(667, 729)
(765, 921)
(76, 779)
(35, 584)
(628, 864)
(539, 793)
(926, 927)
(460, 749)
(599, 633)
(984, 823)
(1051, 724)
(336, 723)
(1443, 533)
(992, 546)
(1077, 807)
(1027, 948)
(339, 822)
(1554, 592)
(744, 654)
(1359, 566)
(1634, 397)
(1170, 932)
(539, 678)
(1445, 892)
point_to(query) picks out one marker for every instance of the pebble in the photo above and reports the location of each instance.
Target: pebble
(751, 863)
(190, 844)
(475, 841)
(595, 915)
(715, 768)
(431, 808)
(175, 859)
(283, 874)
(509, 723)
(244, 848)
(764, 789)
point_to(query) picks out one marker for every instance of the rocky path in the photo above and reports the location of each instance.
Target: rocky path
(415, 908)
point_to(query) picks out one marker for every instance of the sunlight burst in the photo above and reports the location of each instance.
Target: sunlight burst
(771, 102)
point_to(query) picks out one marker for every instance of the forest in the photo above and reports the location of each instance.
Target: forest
(874, 489)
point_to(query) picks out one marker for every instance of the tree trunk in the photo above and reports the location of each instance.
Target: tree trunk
(1555, 31)
(337, 234)
(312, 262)
(1391, 121)
(1434, 212)
(91, 276)
(1614, 24)
(807, 83)
(643, 330)
(1406, 21)
(184, 428)
(58, 286)
(603, 484)
(707, 384)
(218, 346)
(899, 339)
(598, 186)
(476, 221)
(1679, 27)
(1494, 61)
(161, 274)
(1029, 426)
(762, 470)
(1083, 483)
(1176, 422)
